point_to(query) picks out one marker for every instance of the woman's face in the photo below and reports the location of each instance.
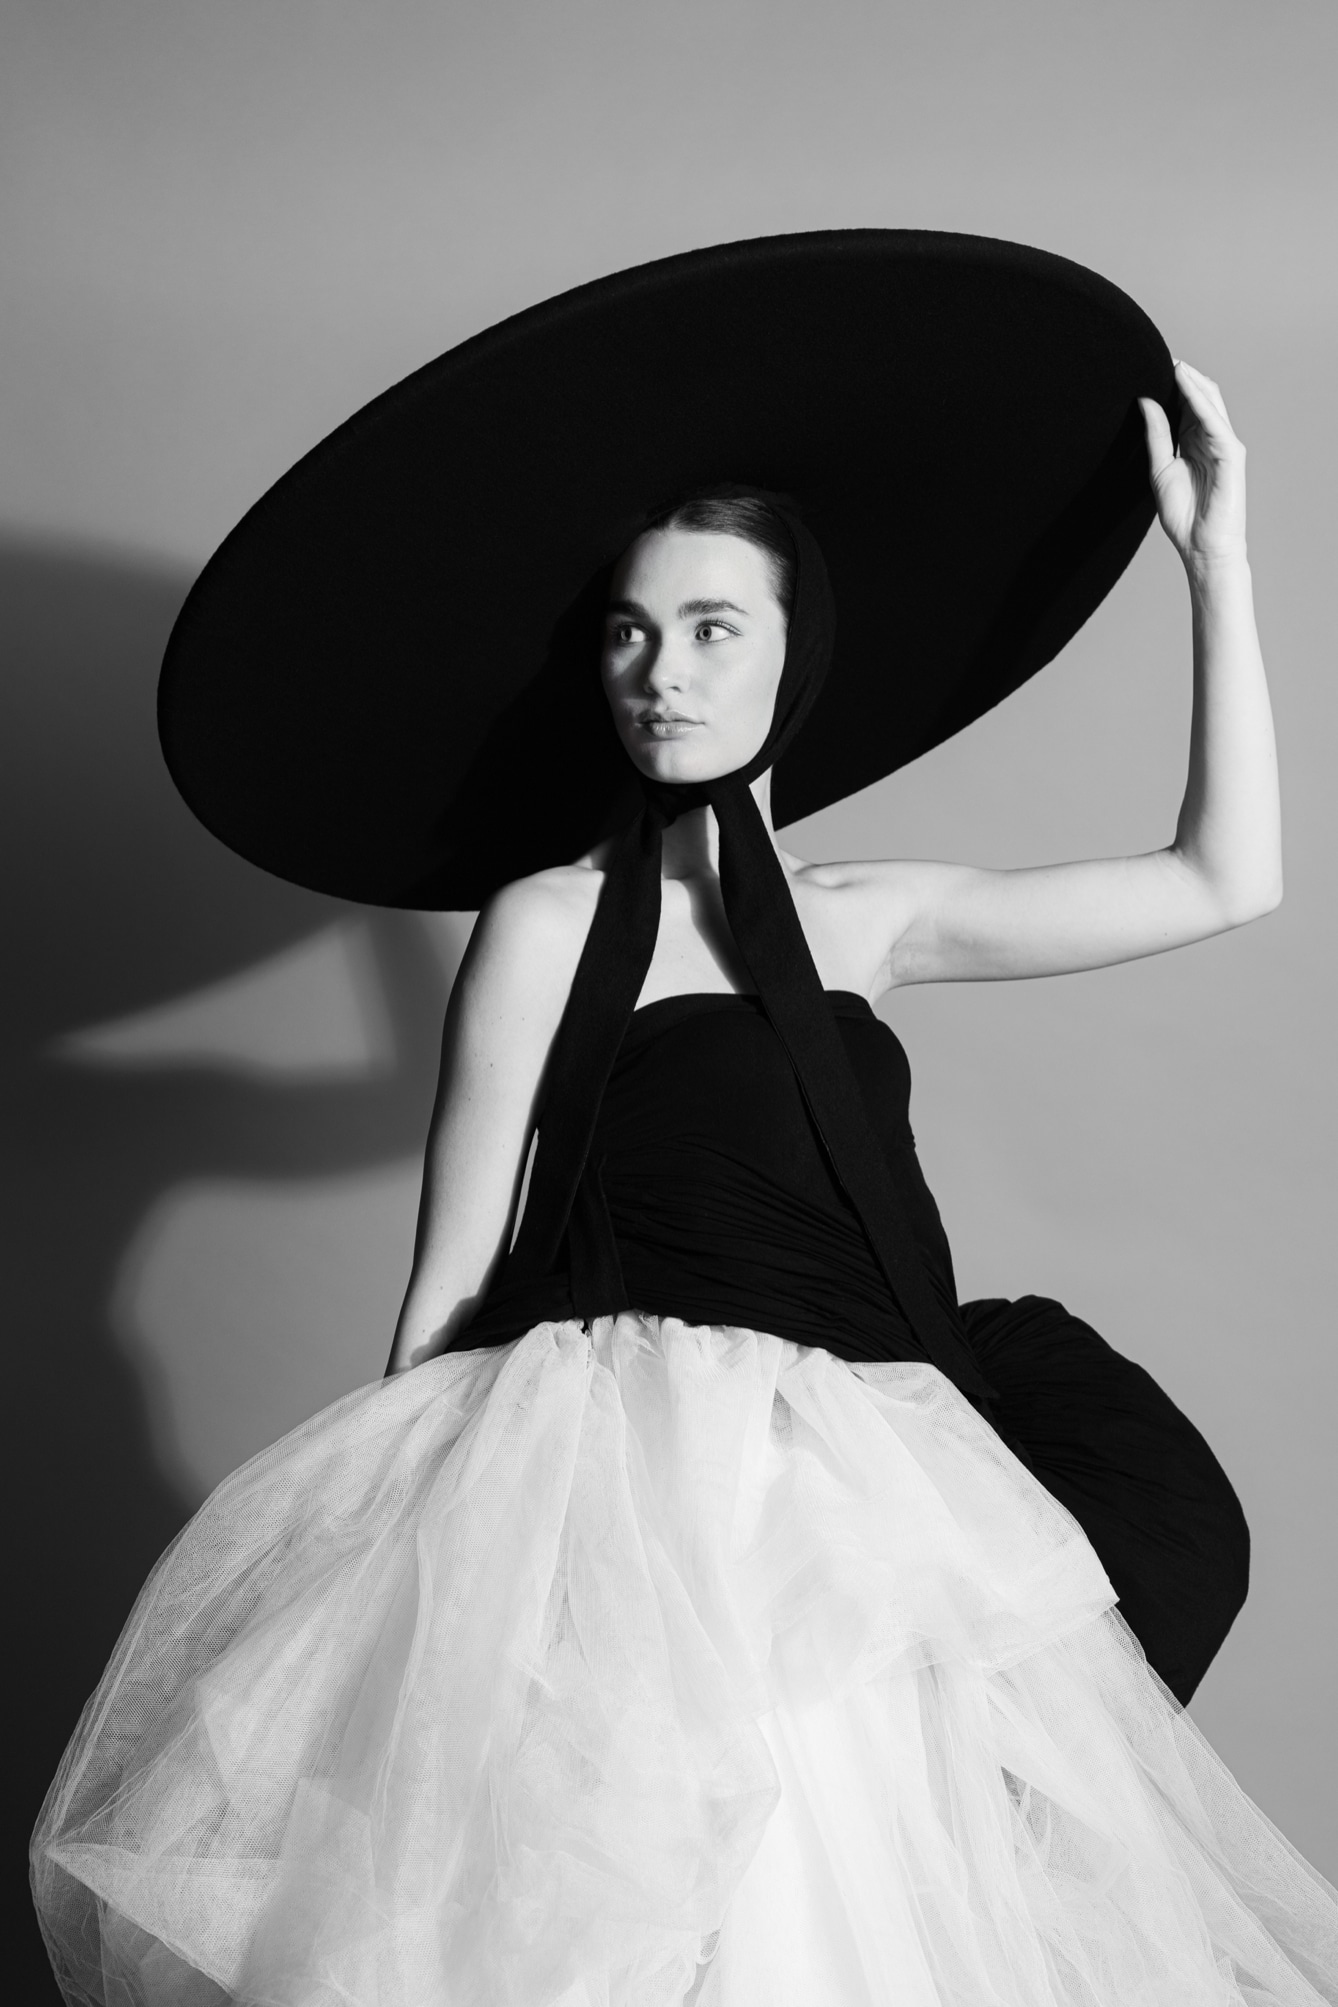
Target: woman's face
(694, 644)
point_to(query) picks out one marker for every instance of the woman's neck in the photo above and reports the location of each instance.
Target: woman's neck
(692, 843)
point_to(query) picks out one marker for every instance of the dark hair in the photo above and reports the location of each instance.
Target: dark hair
(746, 516)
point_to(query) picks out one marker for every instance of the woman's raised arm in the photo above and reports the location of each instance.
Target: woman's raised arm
(1224, 867)
(500, 1023)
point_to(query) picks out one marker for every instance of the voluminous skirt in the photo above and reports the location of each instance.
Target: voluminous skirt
(652, 1665)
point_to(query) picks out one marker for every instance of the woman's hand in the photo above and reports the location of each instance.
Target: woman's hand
(1201, 490)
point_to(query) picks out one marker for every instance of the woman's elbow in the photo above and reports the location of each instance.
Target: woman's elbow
(1252, 902)
(1214, 900)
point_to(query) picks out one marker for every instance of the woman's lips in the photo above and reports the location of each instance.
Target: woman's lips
(667, 728)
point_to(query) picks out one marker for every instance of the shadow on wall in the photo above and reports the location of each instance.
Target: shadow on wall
(115, 904)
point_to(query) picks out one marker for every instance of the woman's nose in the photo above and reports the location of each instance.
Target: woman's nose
(664, 669)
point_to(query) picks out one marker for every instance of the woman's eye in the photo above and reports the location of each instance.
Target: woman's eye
(625, 635)
(709, 629)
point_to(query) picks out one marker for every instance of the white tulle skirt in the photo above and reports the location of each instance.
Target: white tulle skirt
(657, 1665)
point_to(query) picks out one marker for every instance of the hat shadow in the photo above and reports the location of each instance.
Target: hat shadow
(115, 901)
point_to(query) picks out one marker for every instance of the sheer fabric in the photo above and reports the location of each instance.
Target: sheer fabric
(660, 1664)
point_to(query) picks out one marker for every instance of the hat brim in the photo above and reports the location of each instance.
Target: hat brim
(363, 692)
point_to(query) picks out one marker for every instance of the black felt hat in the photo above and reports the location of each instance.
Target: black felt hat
(383, 684)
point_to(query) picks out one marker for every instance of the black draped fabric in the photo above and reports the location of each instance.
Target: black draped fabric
(1112, 1447)
(707, 1196)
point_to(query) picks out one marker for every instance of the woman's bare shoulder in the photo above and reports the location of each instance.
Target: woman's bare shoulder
(856, 912)
(545, 913)
(524, 950)
(864, 885)
(855, 874)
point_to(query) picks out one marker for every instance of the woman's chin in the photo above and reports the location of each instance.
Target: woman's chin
(675, 762)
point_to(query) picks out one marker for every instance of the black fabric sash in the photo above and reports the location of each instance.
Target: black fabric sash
(767, 932)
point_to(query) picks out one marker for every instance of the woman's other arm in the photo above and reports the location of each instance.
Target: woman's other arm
(500, 1023)
(1224, 867)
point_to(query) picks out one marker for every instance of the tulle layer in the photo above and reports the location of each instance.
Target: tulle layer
(656, 1665)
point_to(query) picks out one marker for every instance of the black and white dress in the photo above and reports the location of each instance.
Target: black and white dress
(718, 1650)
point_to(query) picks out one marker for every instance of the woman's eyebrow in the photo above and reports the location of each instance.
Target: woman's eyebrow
(632, 609)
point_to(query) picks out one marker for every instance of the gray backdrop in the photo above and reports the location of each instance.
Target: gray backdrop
(227, 226)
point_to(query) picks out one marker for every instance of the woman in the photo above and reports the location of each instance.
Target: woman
(631, 1643)
(1181, 1568)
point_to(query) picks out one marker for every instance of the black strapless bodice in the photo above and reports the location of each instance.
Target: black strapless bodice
(719, 1195)
(708, 1195)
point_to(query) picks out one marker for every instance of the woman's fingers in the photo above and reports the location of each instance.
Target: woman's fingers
(1161, 448)
(1205, 401)
(1172, 485)
(1205, 383)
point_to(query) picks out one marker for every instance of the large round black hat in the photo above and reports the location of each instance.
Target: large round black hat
(383, 684)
